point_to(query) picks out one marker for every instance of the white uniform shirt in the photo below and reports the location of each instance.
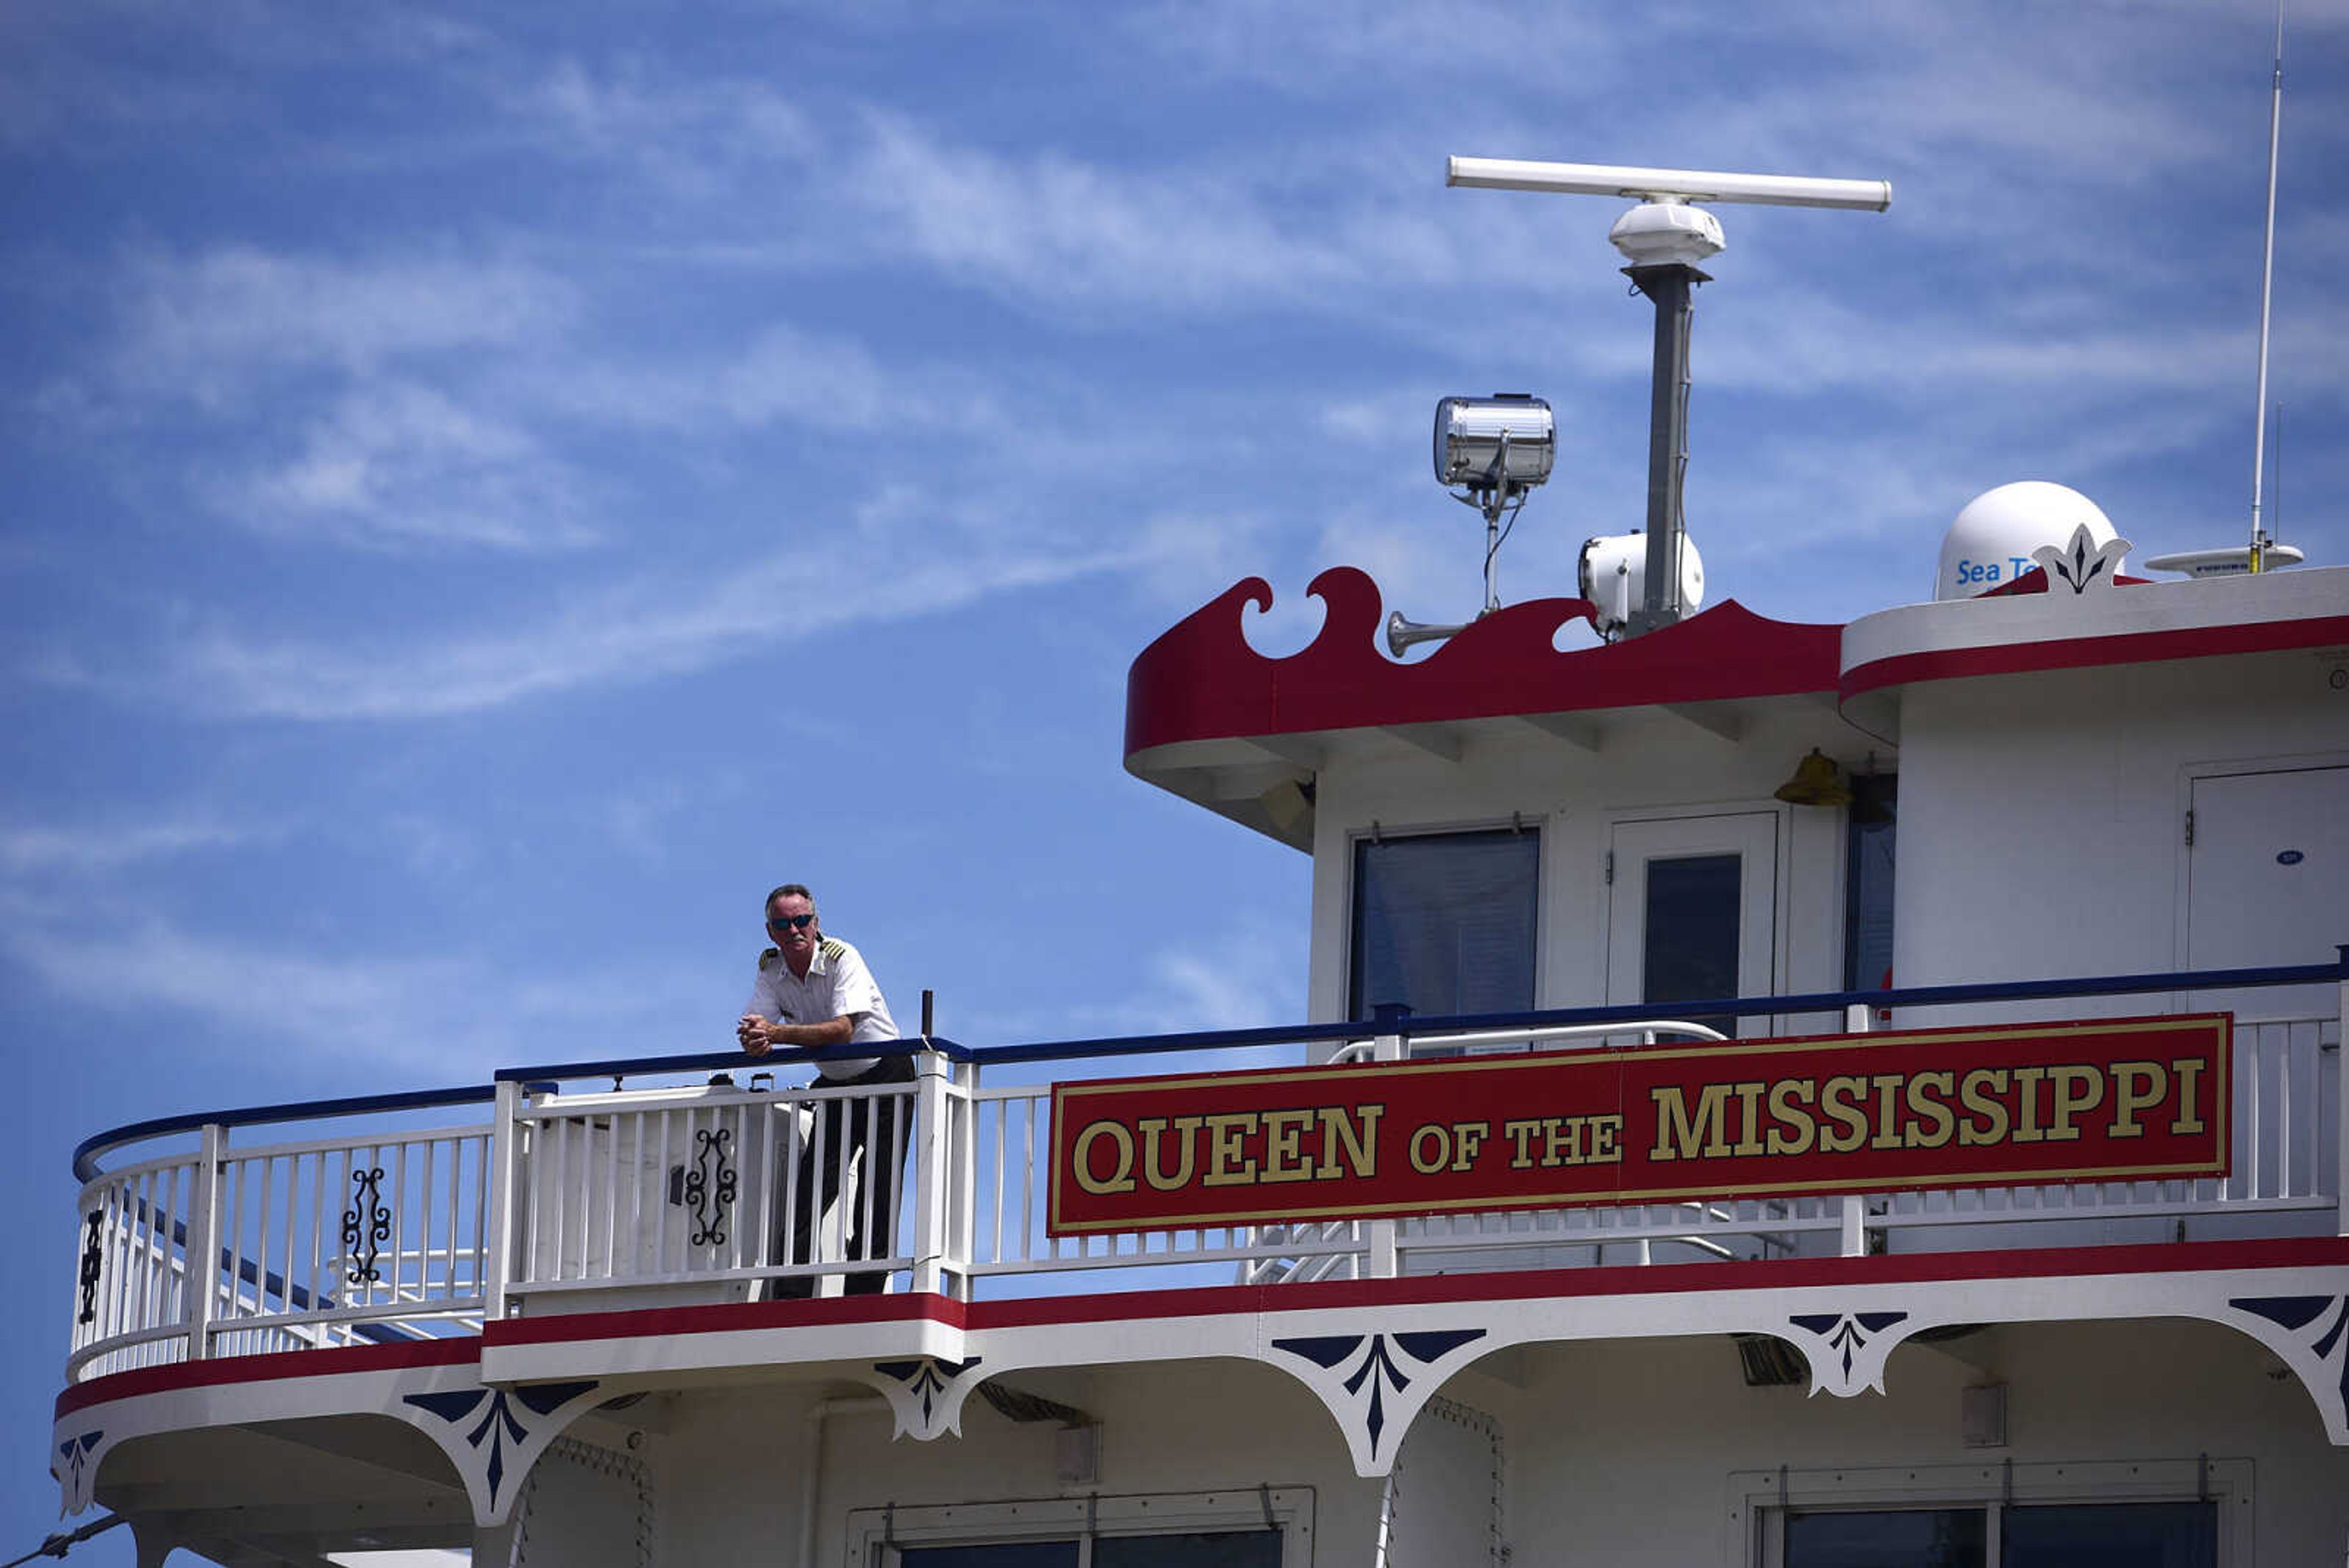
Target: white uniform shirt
(837, 986)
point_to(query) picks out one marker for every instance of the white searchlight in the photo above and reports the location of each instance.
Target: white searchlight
(1489, 451)
(1505, 443)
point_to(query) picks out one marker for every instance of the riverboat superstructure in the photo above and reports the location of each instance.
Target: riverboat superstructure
(2072, 845)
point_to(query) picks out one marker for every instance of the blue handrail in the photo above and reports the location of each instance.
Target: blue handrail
(86, 1153)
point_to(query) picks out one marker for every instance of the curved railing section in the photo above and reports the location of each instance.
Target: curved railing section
(401, 1217)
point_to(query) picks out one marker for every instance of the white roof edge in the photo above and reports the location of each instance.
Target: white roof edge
(2014, 621)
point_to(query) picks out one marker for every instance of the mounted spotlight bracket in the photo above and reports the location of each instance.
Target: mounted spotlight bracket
(1494, 450)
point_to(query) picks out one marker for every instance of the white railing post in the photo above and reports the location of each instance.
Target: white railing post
(962, 1189)
(2341, 1099)
(933, 1158)
(1384, 1261)
(204, 1242)
(1855, 1208)
(498, 1215)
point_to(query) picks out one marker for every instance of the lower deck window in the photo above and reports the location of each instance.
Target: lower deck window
(2155, 1514)
(2088, 1535)
(1903, 1538)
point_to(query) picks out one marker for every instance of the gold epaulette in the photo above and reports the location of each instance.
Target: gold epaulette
(769, 958)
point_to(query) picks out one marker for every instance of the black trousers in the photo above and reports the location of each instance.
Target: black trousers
(842, 1128)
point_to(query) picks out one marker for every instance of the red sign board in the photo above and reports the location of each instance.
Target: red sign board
(2008, 1104)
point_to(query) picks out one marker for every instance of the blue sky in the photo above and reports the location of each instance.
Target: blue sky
(491, 489)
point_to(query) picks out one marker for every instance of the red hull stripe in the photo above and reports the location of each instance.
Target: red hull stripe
(1212, 1300)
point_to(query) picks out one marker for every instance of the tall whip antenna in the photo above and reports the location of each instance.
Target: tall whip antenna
(2267, 288)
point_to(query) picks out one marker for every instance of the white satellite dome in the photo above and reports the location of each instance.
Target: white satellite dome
(1990, 542)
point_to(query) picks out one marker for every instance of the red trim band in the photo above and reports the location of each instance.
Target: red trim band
(259, 1367)
(1214, 1301)
(2082, 652)
(726, 1317)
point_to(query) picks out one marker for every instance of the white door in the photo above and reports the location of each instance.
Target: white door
(1692, 911)
(2267, 882)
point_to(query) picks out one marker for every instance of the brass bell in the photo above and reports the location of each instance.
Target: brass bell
(1816, 783)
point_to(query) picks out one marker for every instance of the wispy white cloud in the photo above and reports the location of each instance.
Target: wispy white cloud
(393, 464)
(447, 1018)
(694, 139)
(199, 326)
(623, 635)
(783, 375)
(30, 847)
(1251, 977)
(1050, 226)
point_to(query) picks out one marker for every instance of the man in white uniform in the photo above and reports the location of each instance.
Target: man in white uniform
(814, 990)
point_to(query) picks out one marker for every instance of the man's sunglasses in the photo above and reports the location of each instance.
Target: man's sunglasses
(790, 922)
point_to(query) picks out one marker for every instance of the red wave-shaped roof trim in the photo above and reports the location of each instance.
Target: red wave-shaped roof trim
(1201, 681)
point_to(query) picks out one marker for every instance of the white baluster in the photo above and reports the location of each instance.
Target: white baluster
(202, 1292)
(1855, 1208)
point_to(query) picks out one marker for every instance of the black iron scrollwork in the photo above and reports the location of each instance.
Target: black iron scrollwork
(707, 1195)
(92, 1261)
(367, 1225)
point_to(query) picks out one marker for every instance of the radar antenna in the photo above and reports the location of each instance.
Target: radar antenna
(2262, 545)
(1664, 237)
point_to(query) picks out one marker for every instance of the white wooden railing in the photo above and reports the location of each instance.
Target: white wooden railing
(634, 1197)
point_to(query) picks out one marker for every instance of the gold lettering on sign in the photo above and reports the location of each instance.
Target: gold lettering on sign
(1227, 1161)
(1888, 1086)
(1362, 1149)
(1606, 1138)
(2139, 1086)
(1940, 1121)
(1840, 1100)
(1749, 1117)
(1081, 1156)
(1154, 1167)
(2189, 1118)
(1679, 1134)
(1986, 1119)
(1281, 1131)
(2027, 1081)
(1798, 1130)
(2077, 1090)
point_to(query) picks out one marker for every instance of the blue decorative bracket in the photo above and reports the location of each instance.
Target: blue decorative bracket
(927, 1393)
(1848, 1350)
(2311, 1335)
(1375, 1382)
(493, 1436)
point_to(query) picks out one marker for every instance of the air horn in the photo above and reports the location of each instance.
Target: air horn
(1403, 634)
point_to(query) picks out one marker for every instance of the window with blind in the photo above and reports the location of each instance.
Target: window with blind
(1444, 922)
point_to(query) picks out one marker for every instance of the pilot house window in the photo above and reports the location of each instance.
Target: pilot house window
(1443, 922)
